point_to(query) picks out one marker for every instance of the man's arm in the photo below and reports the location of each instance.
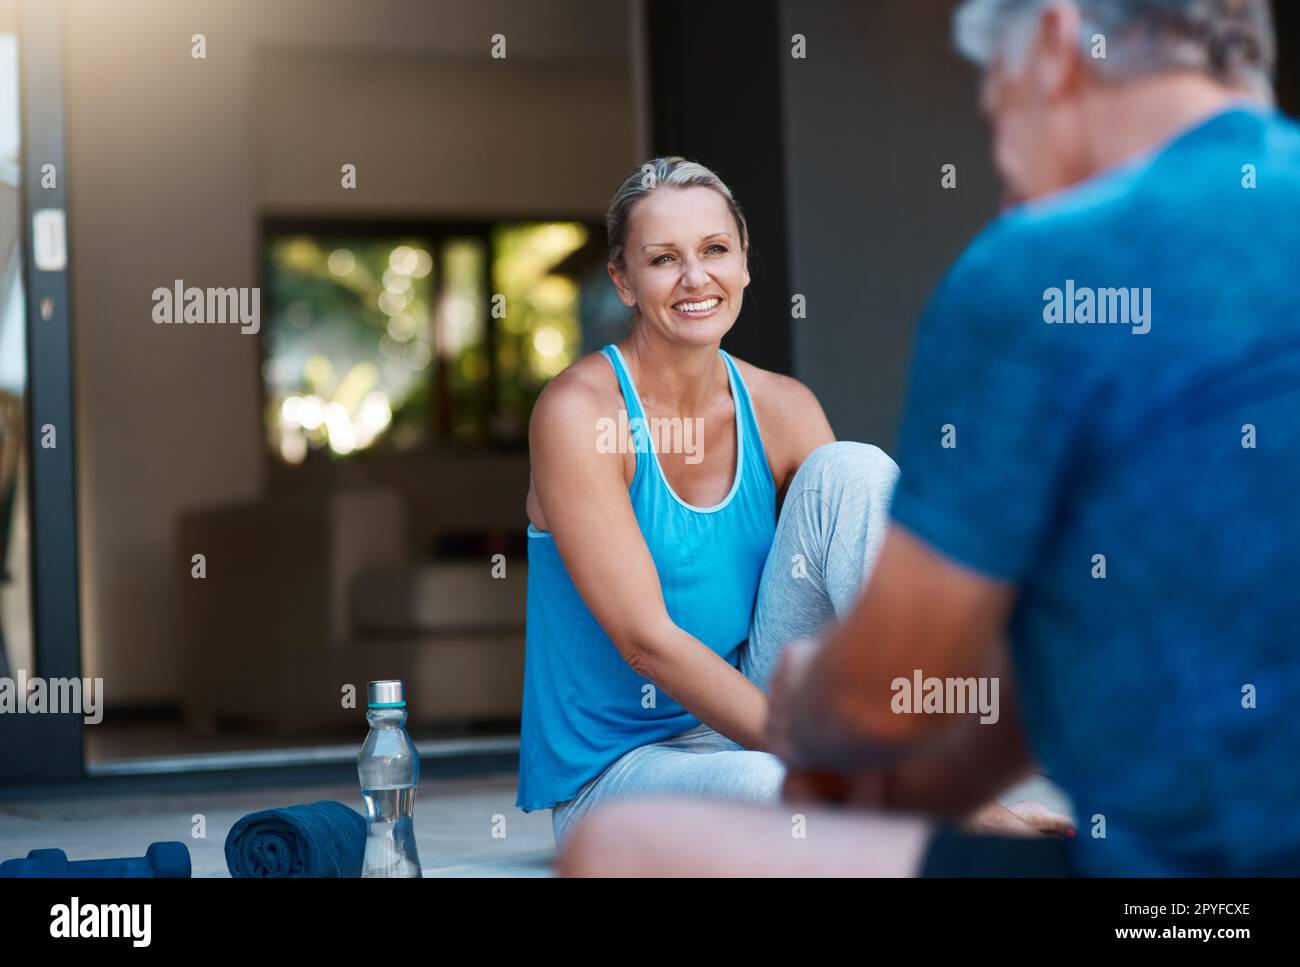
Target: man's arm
(921, 612)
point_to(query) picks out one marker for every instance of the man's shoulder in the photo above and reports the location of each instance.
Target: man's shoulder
(1176, 194)
(1209, 164)
(992, 301)
(1087, 227)
(1032, 232)
(1008, 265)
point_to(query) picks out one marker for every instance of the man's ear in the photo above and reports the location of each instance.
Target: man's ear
(1058, 60)
(625, 294)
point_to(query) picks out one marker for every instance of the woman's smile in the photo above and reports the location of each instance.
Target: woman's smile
(698, 308)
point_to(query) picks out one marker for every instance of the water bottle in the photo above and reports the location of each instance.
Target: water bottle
(389, 767)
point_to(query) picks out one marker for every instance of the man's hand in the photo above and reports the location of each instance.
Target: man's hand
(819, 788)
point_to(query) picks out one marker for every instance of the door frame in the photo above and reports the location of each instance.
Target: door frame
(47, 747)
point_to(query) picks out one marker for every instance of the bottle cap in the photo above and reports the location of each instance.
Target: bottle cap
(386, 694)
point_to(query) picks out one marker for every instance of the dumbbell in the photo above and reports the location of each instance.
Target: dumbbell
(161, 860)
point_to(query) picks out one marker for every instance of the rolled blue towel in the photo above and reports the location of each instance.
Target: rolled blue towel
(313, 839)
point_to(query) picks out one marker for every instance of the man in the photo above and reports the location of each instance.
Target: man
(1100, 461)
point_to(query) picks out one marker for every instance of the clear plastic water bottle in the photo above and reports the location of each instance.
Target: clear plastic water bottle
(389, 767)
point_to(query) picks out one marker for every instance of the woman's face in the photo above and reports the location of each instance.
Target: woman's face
(684, 269)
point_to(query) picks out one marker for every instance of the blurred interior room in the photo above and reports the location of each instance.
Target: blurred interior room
(347, 474)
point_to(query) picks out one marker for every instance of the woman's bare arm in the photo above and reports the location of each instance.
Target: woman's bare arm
(790, 418)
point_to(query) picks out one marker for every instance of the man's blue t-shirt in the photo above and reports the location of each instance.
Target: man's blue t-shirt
(1131, 462)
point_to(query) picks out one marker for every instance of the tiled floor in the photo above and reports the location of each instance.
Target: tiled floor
(454, 822)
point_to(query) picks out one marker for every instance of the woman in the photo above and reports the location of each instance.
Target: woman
(649, 639)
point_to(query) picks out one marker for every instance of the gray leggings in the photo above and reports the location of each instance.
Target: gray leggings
(827, 539)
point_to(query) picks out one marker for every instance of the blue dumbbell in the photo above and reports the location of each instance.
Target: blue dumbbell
(161, 860)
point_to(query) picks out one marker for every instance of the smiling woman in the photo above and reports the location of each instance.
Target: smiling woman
(645, 558)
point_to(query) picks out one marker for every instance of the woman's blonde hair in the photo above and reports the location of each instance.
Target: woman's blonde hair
(673, 172)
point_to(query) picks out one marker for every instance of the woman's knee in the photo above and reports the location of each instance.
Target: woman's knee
(839, 510)
(772, 780)
(848, 463)
(756, 777)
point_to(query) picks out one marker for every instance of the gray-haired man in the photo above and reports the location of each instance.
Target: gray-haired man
(1099, 459)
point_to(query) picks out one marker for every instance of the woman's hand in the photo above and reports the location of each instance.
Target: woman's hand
(782, 694)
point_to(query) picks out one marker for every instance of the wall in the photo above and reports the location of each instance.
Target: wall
(171, 161)
(878, 106)
(735, 128)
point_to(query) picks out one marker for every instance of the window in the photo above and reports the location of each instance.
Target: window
(394, 338)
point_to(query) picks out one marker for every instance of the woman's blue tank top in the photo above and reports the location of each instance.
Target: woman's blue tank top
(583, 705)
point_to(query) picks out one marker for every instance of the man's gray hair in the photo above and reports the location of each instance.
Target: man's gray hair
(1231, 40)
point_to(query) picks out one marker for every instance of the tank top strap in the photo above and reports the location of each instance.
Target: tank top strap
(631, 402)
(755, 464)
(637, 424)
